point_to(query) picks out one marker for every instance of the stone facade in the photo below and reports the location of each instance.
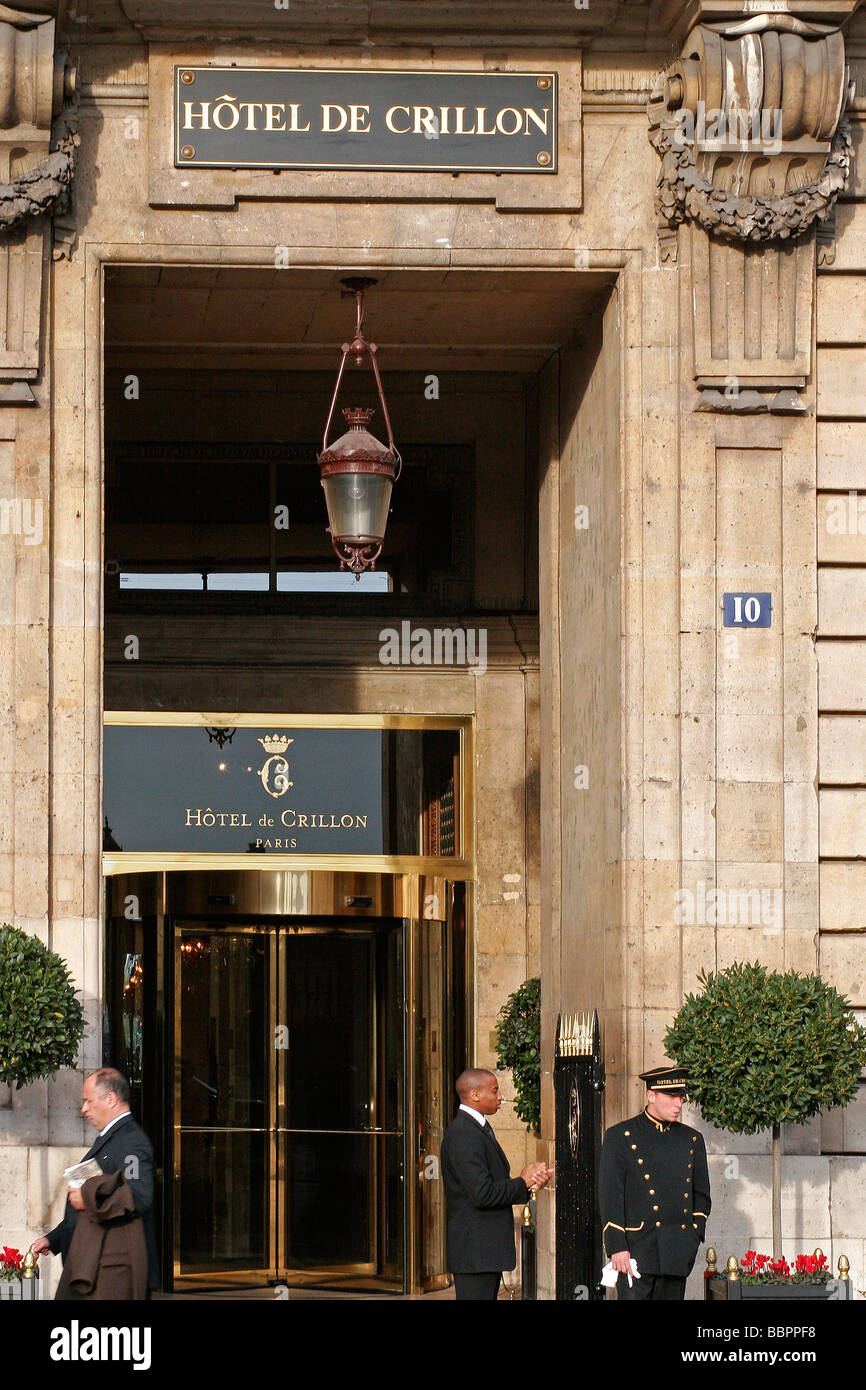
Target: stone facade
(703, 405)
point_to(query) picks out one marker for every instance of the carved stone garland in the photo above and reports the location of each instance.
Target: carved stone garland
(684, 194)
(754, 154)
(46, 187)
(38, 143)
(770, 66)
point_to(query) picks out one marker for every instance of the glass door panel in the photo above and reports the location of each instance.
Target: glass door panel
(341, 1130)
(289, 1104)
(222, 1075)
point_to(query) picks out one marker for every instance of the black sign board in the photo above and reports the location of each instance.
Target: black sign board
(302, 118)
(273, 790)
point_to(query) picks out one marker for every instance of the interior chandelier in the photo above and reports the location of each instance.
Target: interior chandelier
(357, 470)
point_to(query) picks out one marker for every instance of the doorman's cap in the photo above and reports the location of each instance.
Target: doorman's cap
(674, 1080)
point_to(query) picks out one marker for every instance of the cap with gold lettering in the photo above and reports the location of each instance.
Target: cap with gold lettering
(673, 1080)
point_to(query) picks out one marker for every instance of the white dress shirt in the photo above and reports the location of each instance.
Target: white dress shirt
(102, 1133)
(476, 1114)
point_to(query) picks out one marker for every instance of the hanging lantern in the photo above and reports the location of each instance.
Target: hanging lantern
(357, 470)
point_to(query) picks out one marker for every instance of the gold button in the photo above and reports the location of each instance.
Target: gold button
(652, 1192)
(658, 1223)
(695, 1137)
(634, 1146)
(685, 1213)
(690, 1165)
(688, 1179)
(640, 1160)
(628, 1134)
(655, 1208)
(646, 1177)
(684, 1225)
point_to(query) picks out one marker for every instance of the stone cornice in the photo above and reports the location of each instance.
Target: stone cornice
(678, 17)
(494, 24)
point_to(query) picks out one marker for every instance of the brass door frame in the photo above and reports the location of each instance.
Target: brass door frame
(177, 897)
(278, 1130)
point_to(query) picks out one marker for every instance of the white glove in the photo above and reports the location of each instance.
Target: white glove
(609, 1275)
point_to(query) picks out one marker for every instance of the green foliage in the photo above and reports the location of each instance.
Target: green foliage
(518, 1046)
(763, 1048)
(41, 1022)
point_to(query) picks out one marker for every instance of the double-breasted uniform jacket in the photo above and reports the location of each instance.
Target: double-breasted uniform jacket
(125, 1140)
(654, 1194)
(479, 1197)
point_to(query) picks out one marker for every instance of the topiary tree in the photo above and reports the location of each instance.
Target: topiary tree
(518, 1046)
(763, 1049)
(41, 1021)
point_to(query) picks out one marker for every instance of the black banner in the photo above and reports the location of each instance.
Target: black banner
(278, 790)
(286, 118)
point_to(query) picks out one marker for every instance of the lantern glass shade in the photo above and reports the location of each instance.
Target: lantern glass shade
(358, 505)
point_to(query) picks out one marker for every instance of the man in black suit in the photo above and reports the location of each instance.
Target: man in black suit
(121, 1146)
(479, 1192)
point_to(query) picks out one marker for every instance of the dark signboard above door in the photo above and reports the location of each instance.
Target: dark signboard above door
(279, 788)
(286, 118)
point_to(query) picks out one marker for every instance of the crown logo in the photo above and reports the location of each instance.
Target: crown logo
(275, 743)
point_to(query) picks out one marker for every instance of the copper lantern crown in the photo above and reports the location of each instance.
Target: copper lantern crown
(357, 470)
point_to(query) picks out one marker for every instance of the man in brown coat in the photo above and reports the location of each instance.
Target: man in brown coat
(106, 1237)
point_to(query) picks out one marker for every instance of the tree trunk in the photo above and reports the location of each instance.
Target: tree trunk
(777, 1192)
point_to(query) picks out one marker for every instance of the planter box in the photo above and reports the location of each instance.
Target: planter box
(25, 1290)
(720, 1289)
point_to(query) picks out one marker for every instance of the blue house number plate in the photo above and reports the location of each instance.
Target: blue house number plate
(747, 610)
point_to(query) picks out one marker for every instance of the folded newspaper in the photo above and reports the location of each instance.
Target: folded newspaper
(78, 1174)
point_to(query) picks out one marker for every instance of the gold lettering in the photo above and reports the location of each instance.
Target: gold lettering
(443, 120)
(536, 119)
(250, 107)
(481, 112)
(226, 103)
(425, 120)
(458, 126)
(295, 107)
(504, 112)
(389, 119)
(327, 108)
(357, 115)
(271, 109)
(190, 116)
